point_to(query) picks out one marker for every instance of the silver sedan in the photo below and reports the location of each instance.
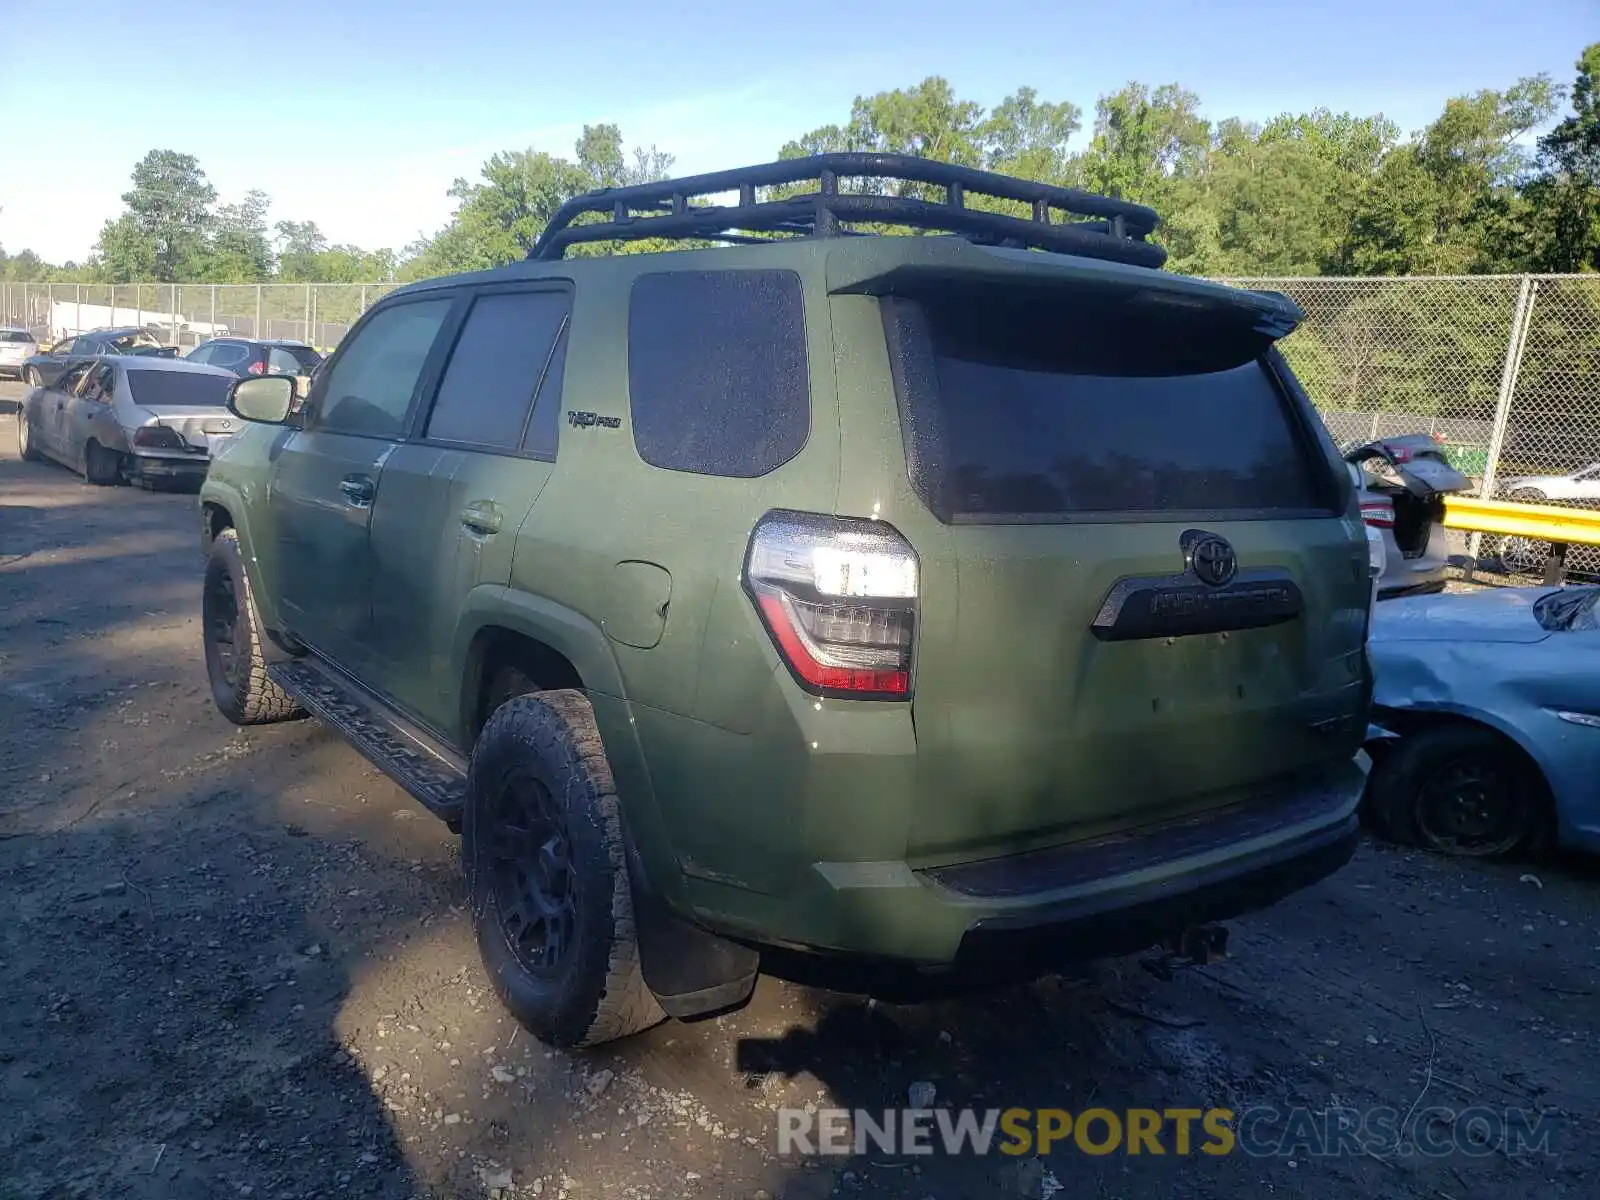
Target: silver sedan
(129, 419)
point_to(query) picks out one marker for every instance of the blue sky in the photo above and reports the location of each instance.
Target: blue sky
(357, 114)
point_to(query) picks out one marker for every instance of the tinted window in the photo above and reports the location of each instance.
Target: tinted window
(71, 377)
(717, 372)
(15, 335)
(1013, 410)
(179, 387)
(229, 354)
(498, 362)
(201, 354)
(368, 390)
(543, 428)
(281, 362)
(305, 356)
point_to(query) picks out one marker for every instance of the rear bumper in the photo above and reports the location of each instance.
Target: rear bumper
(169, 467)
(898, 932)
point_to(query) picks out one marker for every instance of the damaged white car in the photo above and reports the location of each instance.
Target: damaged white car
(1486, 720)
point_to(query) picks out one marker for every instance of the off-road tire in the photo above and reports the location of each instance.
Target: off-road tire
(250, 697)
(26, 450)
(101, 467)
(1394, 793)
(596, 993)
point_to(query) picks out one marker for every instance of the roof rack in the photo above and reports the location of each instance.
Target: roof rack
(1096, 226)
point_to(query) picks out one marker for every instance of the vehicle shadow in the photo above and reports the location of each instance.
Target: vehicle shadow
(181, 941)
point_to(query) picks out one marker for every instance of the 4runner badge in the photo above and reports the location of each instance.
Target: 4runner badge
(582, 420)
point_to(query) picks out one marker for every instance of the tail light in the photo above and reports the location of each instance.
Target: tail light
(157, 437)
(839, 599)
(258, 368)
(1378, 513)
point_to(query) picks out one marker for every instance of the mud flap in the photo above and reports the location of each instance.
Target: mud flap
(691, 972)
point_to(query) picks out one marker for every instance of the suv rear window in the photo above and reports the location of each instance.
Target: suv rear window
(1017, 410)
(15, 335)
(717, 374)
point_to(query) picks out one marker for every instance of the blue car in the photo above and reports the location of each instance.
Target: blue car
(1486, 735)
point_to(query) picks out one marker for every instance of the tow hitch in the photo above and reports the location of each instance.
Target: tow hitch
(1192, 946)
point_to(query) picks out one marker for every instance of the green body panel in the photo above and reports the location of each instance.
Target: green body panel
(748, 797)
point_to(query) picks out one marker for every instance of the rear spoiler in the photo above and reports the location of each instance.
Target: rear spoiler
(883, 267)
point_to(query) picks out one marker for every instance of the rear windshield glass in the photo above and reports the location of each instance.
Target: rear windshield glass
(305, 356)
(179, 387)
(15, 335)
(1013, 412)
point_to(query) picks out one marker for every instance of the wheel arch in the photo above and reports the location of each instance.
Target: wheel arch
(560, 636)
(1407, 721)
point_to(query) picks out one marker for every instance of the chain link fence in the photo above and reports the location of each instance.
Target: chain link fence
(186, 314)
(1505, 370)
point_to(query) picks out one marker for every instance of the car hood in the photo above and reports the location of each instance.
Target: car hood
(1488, 615)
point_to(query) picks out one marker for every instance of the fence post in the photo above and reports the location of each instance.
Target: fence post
(308, 315)
(1515, 344)
(212, 332)
(363, 307)
(258, 332)
(177, 331)
(78, 319)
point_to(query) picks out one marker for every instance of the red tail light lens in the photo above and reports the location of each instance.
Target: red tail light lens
(839, 599)
(258, 368)
(1378, 513)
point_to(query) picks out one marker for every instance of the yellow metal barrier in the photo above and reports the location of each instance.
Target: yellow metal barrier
(1542, 522)
(1561, 527)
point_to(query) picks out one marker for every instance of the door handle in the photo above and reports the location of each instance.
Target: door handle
(358, 490)
(481, 516)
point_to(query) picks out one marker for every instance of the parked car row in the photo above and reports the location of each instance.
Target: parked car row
(128, 418)
(119, 406)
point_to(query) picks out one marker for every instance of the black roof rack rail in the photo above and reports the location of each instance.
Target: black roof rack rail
(1095, 226)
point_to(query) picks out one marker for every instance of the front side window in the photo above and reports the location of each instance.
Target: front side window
(501, 362)
(368, 390)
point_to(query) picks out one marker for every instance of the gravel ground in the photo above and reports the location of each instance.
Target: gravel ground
(238, 964)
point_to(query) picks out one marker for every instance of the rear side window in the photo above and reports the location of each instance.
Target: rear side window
(500, 365)
(717, 373)
(1017, 411)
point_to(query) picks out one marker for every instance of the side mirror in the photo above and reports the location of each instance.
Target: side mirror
(264, 398)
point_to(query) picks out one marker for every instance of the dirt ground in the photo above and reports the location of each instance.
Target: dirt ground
(238, 964)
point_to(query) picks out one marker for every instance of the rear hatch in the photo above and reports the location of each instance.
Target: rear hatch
(1161, 590)
(1408, 478)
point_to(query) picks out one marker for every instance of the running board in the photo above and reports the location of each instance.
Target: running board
(433, 773)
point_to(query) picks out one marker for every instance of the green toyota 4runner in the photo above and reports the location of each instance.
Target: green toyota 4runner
(893, 612)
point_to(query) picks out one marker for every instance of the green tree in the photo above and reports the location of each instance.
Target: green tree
(170, 204)
(239, 251)
(1145, 140)
(499, 218)
(126, 251)
(1447, 202)
(1564, 197)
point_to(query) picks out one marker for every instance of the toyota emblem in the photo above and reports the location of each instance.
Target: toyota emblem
(1209, 556)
